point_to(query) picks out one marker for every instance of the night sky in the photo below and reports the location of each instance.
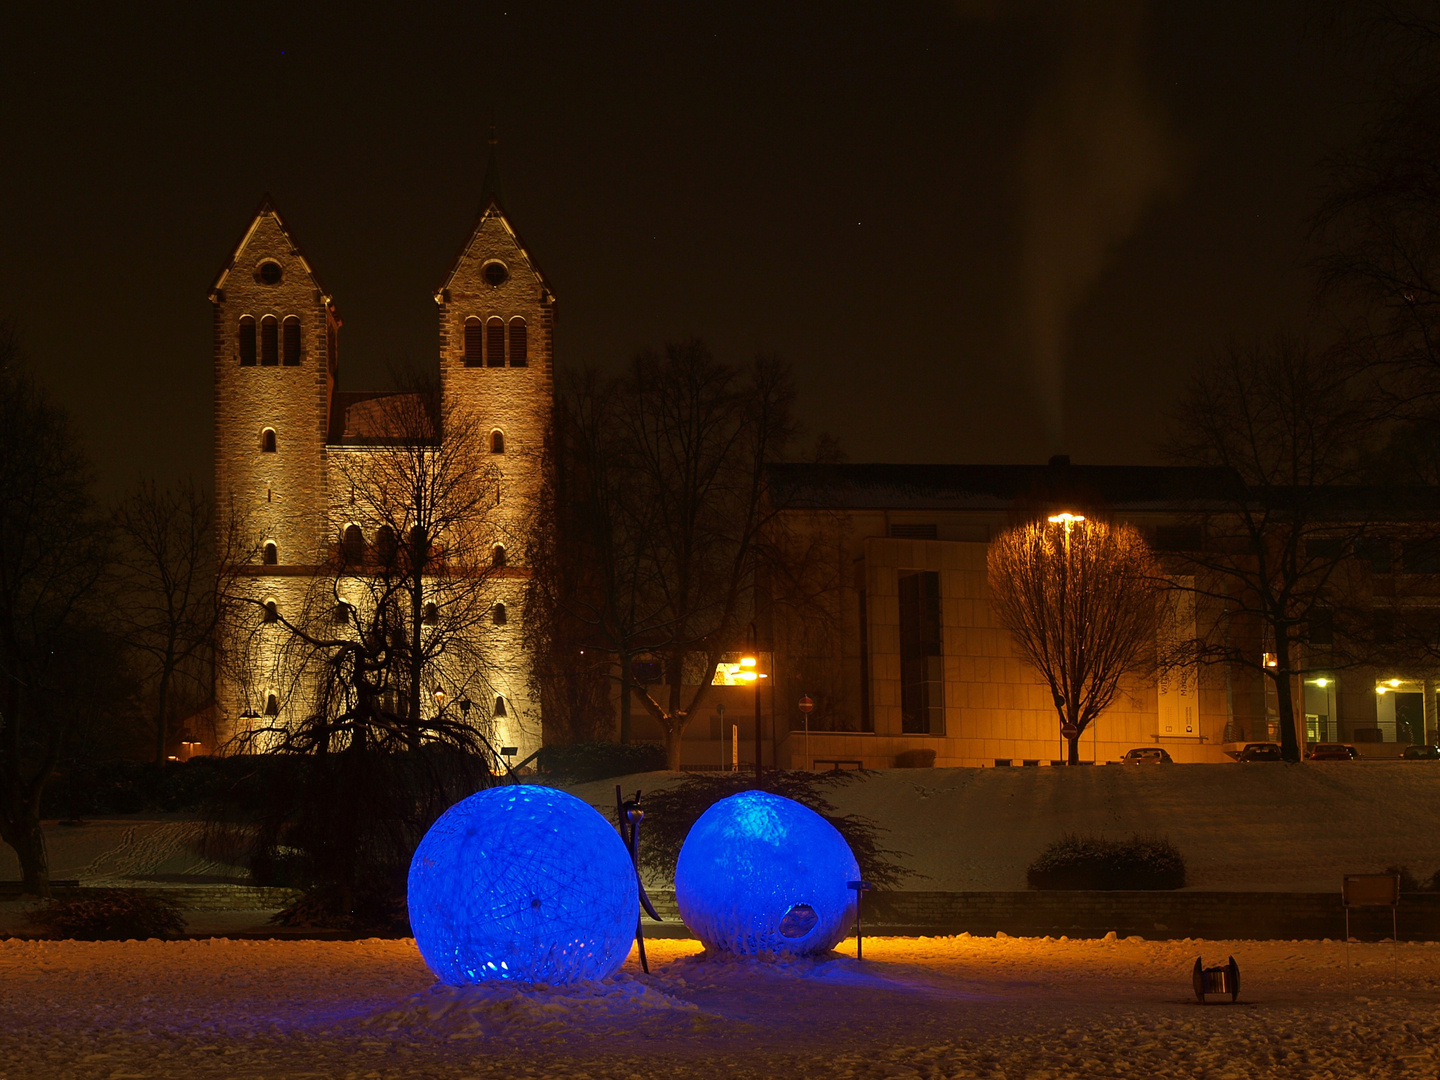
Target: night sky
(981, 231)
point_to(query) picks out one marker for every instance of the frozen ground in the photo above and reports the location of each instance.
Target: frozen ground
(1263, 826)
(928, 1007)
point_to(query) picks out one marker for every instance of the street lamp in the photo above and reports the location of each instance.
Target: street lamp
(749, 673)
(806, 705)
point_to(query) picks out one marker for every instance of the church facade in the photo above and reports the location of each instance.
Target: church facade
(289, 444)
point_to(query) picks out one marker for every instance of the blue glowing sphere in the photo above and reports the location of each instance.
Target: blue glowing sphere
(526, 883)
(760, 874)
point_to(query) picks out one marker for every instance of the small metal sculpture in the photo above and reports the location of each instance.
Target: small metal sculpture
(1216, 980)
(861, 888)
(630, 815)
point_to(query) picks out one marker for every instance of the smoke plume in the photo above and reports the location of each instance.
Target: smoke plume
(1095, 156)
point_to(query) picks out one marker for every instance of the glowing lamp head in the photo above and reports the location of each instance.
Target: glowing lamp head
(1322, 683)
(1065, 518)
(522, 883)
(1394, 683)
(747, 661)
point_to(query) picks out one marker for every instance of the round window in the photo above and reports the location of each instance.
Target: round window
(269, 273)
(496, 274)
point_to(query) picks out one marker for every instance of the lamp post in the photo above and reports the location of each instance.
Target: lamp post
(806, 705)
(749, 672)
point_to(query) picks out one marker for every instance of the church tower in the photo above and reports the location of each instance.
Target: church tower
(275, 360)
(497, 318)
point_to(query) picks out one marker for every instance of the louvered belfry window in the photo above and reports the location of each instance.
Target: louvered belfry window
(247, 341)
(519, 347)
(495, 343)
(291, 341)
(474, 341)
(269, 342)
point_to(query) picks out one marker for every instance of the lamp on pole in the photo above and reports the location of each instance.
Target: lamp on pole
(749, 672)
(806, 705)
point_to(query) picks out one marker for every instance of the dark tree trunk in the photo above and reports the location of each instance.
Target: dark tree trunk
(1285, 701)
(162, 728)
(625, 697)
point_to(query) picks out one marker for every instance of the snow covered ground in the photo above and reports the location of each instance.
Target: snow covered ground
(927, 1007)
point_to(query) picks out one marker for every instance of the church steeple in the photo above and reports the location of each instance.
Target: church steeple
(490, 186)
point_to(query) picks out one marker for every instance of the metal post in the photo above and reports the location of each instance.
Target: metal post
(759, 744)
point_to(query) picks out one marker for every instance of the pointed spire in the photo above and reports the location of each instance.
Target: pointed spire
(490, 187)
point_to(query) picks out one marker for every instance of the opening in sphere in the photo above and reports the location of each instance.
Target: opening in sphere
(798, 921)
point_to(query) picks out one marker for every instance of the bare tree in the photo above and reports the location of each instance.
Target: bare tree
(1278, 551)
(53, 549)
(171, 587)
(662, 521)
(1082, 601)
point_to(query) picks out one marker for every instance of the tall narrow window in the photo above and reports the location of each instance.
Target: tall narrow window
(497, 441)
(474, 342)
(519, 348)
(267, 441)
(291, 340)
(272, 613)
(497, 615)
(269, 341)
(247, 341)
(497, 557)
(499, 706)
(385, 545)
(352, 547)
(430, 615)
(272, 705)
(867, 722)
(495, 343)
(922, 661)
(271, 556)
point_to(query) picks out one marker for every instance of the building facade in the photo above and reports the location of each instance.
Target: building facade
(289, 443)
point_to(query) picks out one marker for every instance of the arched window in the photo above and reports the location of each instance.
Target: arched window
(497, 441)
(352, 546)
(272, 613)
(431, 615)
(342, 613)
(497, 557)
(267, 441)
(272, 705)
(519, 349)
(247, 341)
(500, 706)
(495, 342)
(385, 544)
(474, 341)
(272, 554)
(497, 615)
(291, 341)
(269, 342)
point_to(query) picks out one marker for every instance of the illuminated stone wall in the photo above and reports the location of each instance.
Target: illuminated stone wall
(293, 497)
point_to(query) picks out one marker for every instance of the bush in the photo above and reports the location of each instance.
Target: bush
(601, 760)
(135, 787)
(1090, 862)
(1410, 883)
(670, 812)
(110, 915)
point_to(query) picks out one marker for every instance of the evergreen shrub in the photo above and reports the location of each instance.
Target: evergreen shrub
(109, 915)
(1092, 862)
(600, 760)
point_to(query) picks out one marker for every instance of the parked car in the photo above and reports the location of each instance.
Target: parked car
(1333, 751)
(1421, 753)
(1147, 755)
(1261, 751)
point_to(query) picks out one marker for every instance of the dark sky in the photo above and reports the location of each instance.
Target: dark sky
(981, 231)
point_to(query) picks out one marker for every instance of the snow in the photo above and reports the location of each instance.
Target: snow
(930, 1007)
(1262, 826)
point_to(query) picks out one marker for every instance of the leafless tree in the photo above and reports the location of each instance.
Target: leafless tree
(170, 587)
(661, 521)
(53, 551)
(1082, 601)
(1278, 552)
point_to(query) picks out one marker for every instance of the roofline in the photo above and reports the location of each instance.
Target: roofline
(267, 206)
(492, 201)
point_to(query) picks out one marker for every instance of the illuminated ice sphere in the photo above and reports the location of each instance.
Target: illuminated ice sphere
(761, 874)
(522, 882)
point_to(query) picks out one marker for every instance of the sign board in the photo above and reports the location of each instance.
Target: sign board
(1371, 890)
(1069, 731)
(806, 704)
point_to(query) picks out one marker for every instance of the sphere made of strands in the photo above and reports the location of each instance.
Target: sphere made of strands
(761, 875)
(524, 883)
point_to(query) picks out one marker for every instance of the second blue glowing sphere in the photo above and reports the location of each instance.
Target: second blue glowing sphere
(760, 874)
(522, 882)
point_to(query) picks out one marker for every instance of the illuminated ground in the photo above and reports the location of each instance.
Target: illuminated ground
(930, 1007)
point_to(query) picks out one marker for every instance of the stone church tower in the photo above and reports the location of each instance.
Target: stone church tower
(283, 428)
